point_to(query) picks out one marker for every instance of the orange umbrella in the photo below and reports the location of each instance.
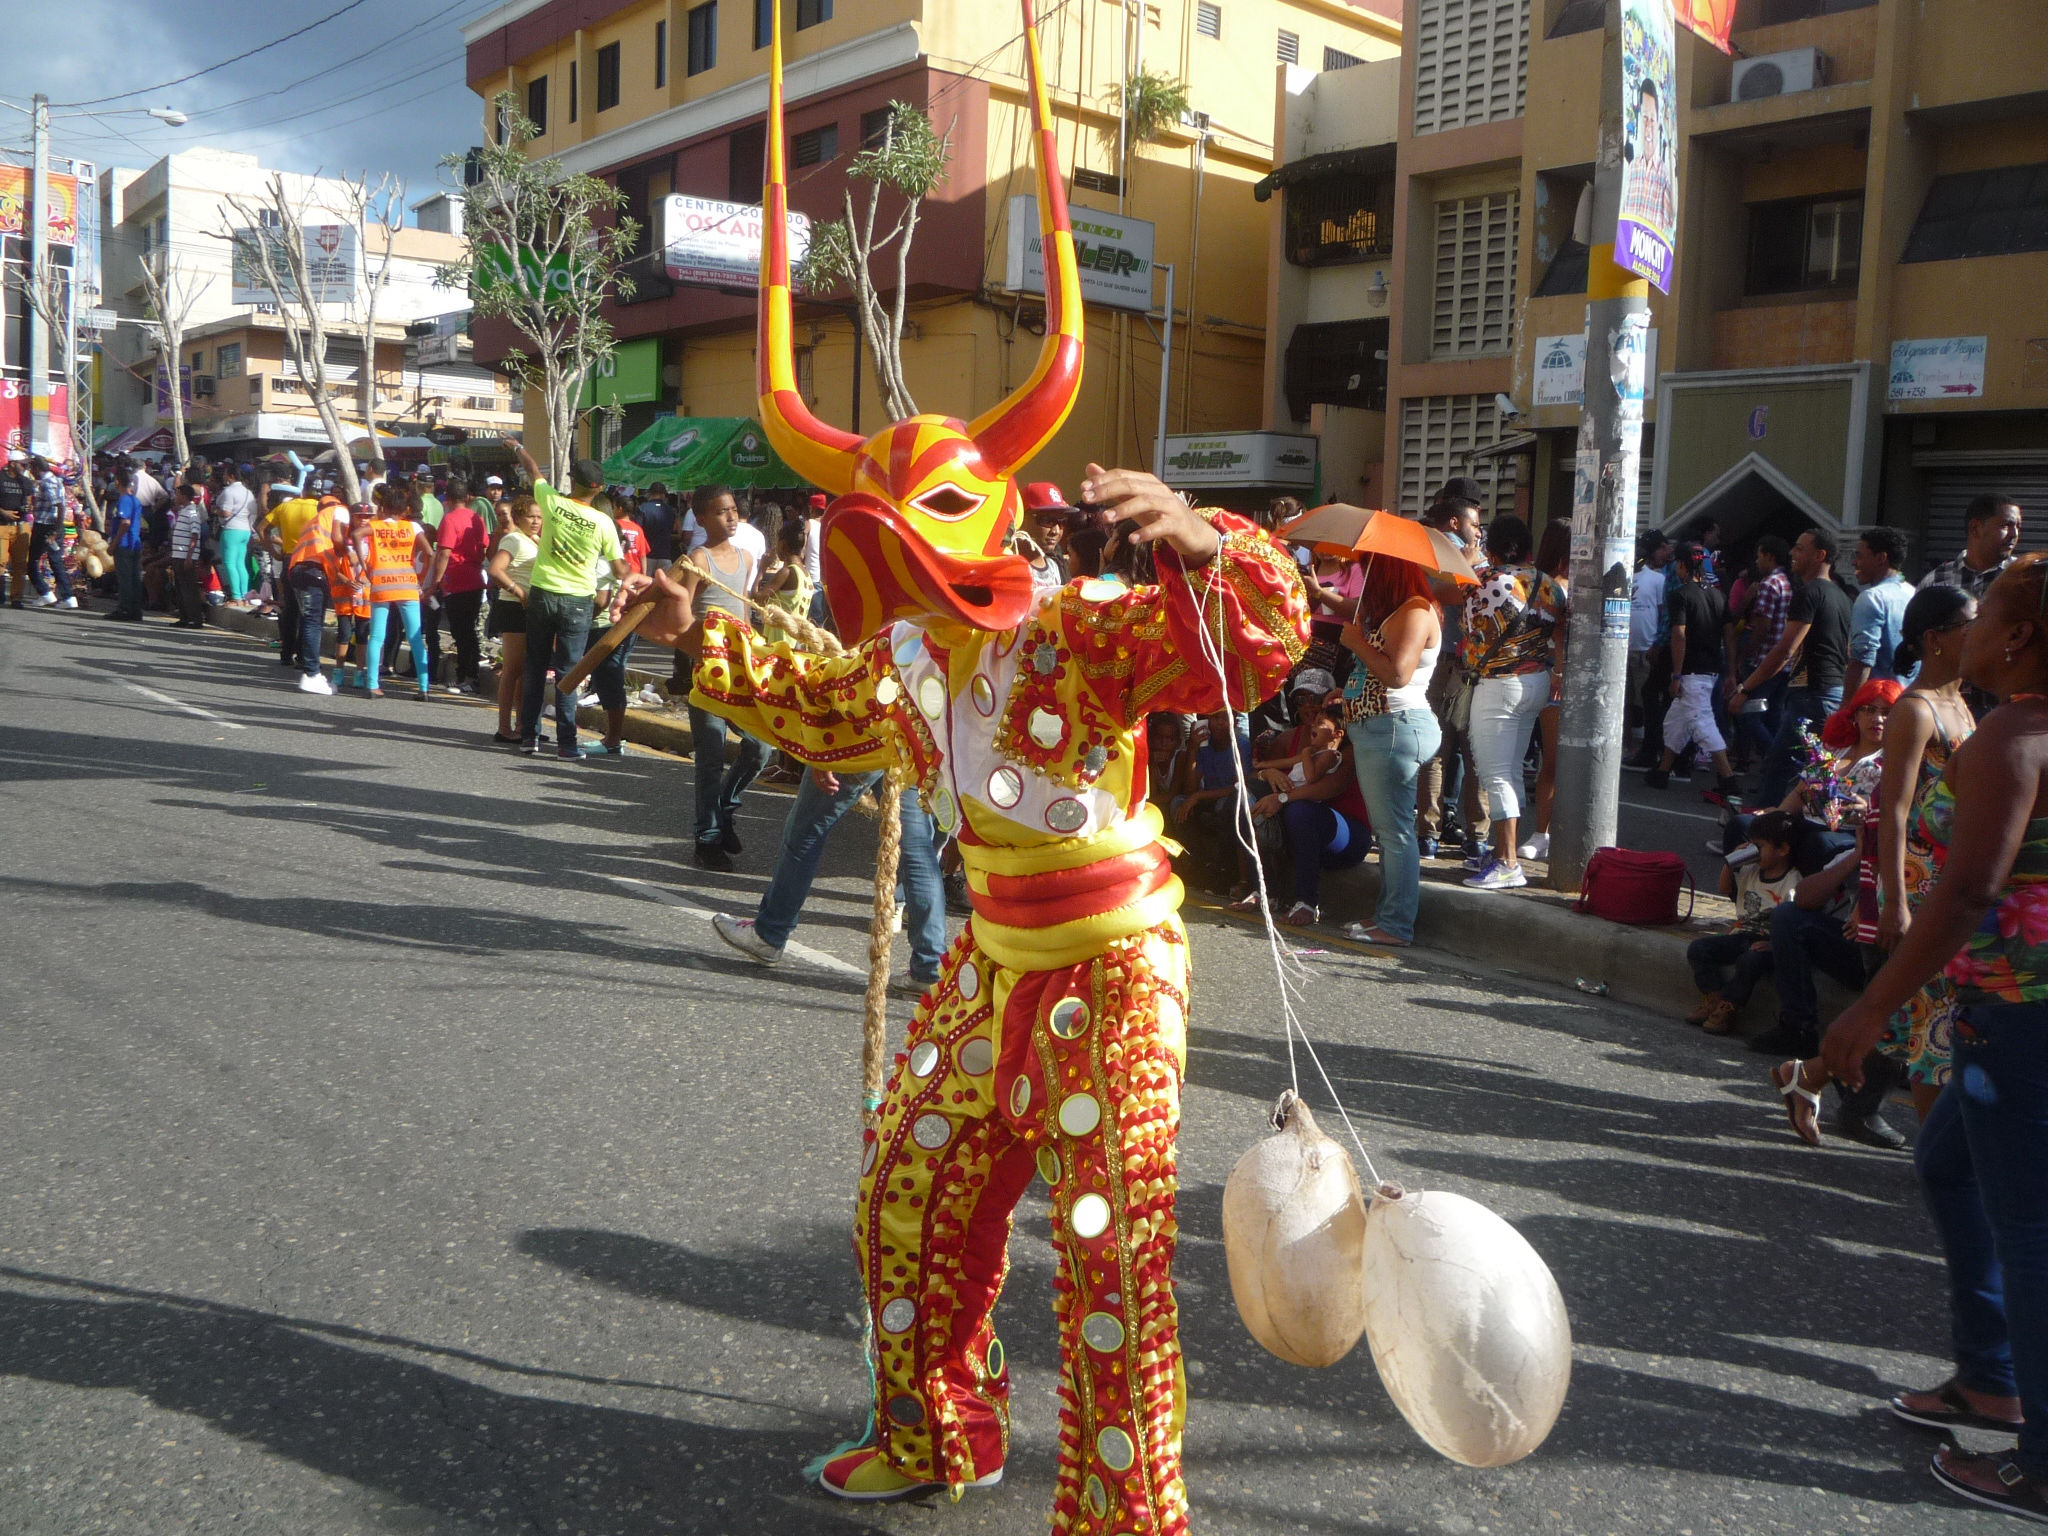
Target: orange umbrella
(1348, 531)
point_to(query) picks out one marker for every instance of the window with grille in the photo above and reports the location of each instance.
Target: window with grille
(1471, 62)
(607, 77)
(1337, 58)
(536, 105)
(703, 38)
(875, 128)
(660, 54)
(815, 146)
(1999, 212)
(1290, 48)
(1335, 220)
(1339, 362)
(1208, 19)
(810, 12)
(1439, 434)
(1475, 276)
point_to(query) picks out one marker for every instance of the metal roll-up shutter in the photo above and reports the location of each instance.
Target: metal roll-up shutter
(1951, 489)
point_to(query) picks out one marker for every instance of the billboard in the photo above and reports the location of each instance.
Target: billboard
(1114, 254)
(719, 244)
(1241, 458)
(329, 252)
(1938, 368)
(1646, 234)
(14, 200)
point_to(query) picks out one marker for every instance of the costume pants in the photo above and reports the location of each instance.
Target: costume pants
(1074, 1074)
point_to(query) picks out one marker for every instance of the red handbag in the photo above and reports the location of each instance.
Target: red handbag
(1625, 886)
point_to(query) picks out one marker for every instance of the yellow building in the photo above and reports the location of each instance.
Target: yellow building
(1857, 330)
(664, 97)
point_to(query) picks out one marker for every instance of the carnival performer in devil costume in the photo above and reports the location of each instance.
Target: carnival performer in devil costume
(1054, 1040)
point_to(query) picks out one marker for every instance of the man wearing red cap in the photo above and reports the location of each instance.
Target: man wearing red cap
(1045, 529)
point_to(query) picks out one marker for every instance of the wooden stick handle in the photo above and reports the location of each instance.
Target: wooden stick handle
(610, 641)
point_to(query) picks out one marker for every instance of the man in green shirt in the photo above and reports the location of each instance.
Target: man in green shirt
(431, 509)
(560, 593)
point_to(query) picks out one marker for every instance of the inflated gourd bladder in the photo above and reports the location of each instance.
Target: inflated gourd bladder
(1466, 1325)
(1294, 1234)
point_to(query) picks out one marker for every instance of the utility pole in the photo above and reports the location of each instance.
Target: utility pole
(1589, 736)
(38, 337)
(1165, 377)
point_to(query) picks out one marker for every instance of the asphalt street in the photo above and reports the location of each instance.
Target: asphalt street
(388, 1145)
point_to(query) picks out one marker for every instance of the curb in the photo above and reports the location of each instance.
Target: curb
(1531, 932)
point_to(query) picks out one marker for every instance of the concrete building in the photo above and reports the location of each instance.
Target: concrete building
(663, 98)
(1858, 326)
(242, 389)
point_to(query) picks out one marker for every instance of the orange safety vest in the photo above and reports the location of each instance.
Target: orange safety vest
(393, 577)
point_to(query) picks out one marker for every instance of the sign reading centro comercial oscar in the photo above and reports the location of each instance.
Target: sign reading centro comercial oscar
(1114, 254)
(704, 241)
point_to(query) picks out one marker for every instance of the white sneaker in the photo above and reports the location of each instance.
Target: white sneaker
(313, 682)
(1538, 847)
(69, 602)
(739, 933)
(47, 600)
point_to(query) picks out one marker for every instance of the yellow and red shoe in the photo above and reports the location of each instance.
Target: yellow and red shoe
(865, 1474)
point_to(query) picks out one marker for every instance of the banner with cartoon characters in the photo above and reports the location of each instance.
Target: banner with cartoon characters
(1647, 230)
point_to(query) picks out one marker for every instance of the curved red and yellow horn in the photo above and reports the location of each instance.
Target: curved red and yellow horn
(1024, 423)
(822, 455)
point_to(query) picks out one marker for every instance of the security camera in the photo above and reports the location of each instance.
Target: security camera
(1507, 408)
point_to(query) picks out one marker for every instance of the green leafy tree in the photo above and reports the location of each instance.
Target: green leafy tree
(908, 159)
(546, 249)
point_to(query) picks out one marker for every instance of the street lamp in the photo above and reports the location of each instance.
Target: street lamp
(171, 117)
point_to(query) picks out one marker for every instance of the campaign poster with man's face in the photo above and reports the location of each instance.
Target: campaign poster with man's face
(1647, 231)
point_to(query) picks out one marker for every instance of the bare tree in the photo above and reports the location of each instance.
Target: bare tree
(543, 258)
(910, 160)
(172, 288)
(271, 239)
(379, 210)
(51, 294)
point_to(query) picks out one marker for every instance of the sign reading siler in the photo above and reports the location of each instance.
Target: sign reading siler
(1241, 458)
(1114, 254)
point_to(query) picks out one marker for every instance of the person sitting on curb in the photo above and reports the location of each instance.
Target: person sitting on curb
(1808, 933)
(1758, 877)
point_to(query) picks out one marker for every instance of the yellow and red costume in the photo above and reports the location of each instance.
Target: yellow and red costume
(1054, 1040)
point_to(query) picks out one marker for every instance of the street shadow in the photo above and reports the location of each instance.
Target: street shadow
(426, 1438)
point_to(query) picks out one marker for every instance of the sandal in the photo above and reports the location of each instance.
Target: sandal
(1995, 1481)
(1249, 902)
(1301, 914)
(1955, 1412)
(1363, 933)
(1802, 1104)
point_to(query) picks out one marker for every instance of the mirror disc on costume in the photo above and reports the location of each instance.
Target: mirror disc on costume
(1049, 1165)
(1045, 658)
(983, 692)
(899, 1315)
(888, 691)
(995, 1357)
(977, 1058)
(969, 983)
(909, 646)
(1102, 1331)
(1080, 1113)
(932, 1132)
(1096, 759)
(906, 1410)
(1090, 1216)
(867, 1158)
(1098, 1497)
(1046, 728)
(924, 1056)
(1020, 1095)
(1115, 1449)
(1068, 815)
(1005, 788)
(931, 697)
(944, 811)
(1069, 1018)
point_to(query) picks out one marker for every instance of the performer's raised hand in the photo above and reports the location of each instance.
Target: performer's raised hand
(1159, 513)
(674, 621)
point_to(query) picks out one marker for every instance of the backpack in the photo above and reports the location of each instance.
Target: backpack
(1625, 886)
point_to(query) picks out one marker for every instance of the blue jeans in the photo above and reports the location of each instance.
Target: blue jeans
(1979, 1158)
(1804, 940)
(1390, 751)
(811, 821)
(48, 539)
(128, 577)
(1813, 705)
(310, 603)
(1755, 733)
(557, 634)
(380, 619)
(719, 786)
(1320, 837)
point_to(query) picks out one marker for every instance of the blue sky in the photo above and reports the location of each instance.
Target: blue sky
(377, 88)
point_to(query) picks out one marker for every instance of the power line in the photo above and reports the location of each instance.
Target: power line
(223, 64)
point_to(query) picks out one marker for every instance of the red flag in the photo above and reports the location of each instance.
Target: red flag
(1711, 19)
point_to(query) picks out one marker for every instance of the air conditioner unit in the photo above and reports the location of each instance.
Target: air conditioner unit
(202, 386)
(1779, 74)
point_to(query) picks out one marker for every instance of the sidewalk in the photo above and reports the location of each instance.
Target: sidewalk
(1530, 932)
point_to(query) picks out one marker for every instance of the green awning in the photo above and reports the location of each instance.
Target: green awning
(684, 452)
